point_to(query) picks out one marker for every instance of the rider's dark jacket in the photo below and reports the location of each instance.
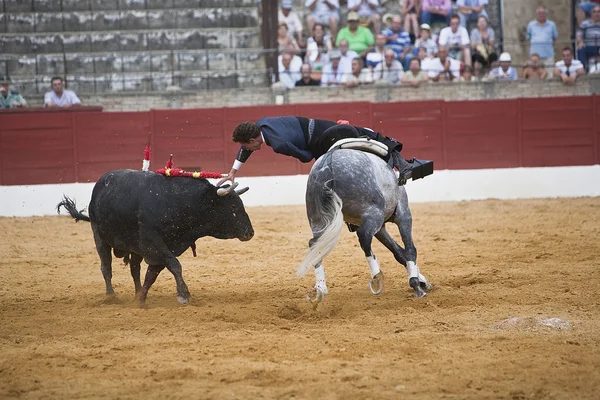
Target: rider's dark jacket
(305, 138)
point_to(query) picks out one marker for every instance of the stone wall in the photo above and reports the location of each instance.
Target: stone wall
(268, 96)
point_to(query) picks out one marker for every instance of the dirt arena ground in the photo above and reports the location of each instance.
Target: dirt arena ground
(501, 271)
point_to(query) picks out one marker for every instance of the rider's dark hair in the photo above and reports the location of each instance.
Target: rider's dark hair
(245, 131)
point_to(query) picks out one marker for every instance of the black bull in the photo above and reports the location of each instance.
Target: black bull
(145, 215)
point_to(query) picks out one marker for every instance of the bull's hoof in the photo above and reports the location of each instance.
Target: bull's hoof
(376, 284)
(183, 300)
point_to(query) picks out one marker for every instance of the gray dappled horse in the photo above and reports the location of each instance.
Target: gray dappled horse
(361, 189)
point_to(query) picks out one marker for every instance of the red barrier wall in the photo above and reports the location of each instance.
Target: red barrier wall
(66, 146)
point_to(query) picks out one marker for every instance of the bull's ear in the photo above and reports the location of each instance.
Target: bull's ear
(242, 190)
(226, 189)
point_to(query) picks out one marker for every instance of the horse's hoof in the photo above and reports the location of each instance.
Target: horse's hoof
(424, 283)
(183, 300)
(416, 285)
(376, 284)
(315, 295)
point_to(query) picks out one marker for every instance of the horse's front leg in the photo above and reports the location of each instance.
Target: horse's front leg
(365, 234)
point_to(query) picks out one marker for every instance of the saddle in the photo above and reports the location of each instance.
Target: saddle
(364, 144)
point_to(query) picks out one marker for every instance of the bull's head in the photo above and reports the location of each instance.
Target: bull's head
(234, 221)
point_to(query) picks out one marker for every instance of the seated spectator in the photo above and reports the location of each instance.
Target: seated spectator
(333, 71)
(443, 68)
(467, 75)
(324, 12)
(347, 55)
(426, 41)
(542, 34)
(292, 20)
(287, 74)
(306, 79)
(534, 69)
(368, 12)
(60, 97)
(296, 63)
(318, 41)
(398, 40)
(567, 69)
(390, 70)
(375, 56)
(470, 10)
(414, 76)
(425, 59)
(360, 39)
(482, 43)
(436, 11)
(588, 38)
(359, 74)
(505, 72)
(283, 39)
(10, 98)
(456, 38)
(410, 13)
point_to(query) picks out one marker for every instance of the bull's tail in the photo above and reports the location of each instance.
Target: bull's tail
(329, 207)
(70, 206)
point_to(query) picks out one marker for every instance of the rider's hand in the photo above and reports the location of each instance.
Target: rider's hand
(230, 177)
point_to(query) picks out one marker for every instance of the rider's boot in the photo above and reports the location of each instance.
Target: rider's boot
(414, 168)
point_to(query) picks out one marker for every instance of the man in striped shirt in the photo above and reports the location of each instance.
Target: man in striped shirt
(588, 38)
(399, 41)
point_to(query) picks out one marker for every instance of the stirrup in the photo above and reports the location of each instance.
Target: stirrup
(420, 168)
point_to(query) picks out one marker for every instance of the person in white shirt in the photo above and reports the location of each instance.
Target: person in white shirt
(60, 97)
(504, 72)
(456, 38)
(368, 12)
(359, 75)
(568, 69)
(426, 41)
(291, 19)
(325, 12)
(390, 70)
(287, 75)
(347, 55)
(333, 71)
(443, 68)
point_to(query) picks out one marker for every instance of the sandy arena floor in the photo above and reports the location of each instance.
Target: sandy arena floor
(500, 269)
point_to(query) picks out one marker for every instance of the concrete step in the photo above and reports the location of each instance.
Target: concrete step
(160, 61)
(84, 21)
(164, 39)
(36, 86)
(83, 5)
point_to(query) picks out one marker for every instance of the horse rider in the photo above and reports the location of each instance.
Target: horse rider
(305, 139)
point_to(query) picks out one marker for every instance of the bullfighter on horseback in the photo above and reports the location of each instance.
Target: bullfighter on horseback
(305, 139)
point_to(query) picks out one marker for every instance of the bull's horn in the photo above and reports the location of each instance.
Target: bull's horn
(225, 190)
(242, 191)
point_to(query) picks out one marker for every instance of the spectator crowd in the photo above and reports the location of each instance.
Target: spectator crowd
(428, 41)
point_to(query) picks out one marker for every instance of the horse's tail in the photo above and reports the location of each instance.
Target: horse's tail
(329, 206)
(70, 206)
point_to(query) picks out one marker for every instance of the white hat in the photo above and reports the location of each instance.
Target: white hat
(426, 26)
(505, 57)
(286, 4)
(335, 53)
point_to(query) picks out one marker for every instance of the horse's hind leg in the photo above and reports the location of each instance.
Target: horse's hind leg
(369, 227)
(403, 219)
(319, 291)
(399, 254)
